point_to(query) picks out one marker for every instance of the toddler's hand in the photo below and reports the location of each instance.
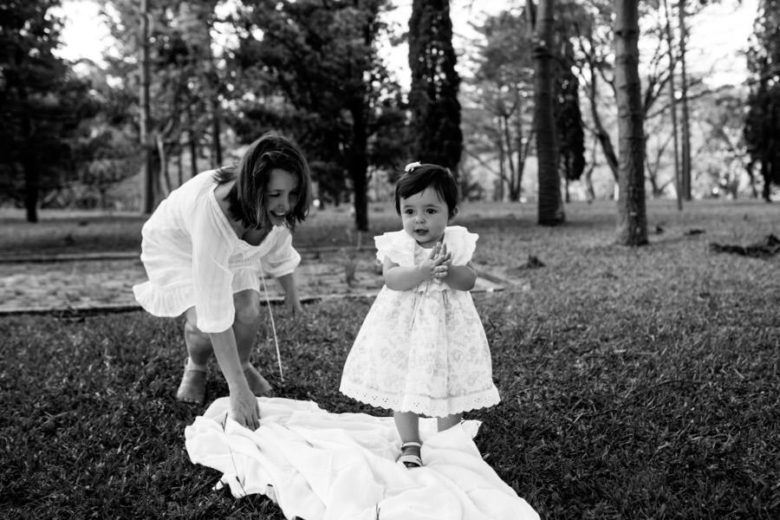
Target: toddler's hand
(428, 266)
(443, 261)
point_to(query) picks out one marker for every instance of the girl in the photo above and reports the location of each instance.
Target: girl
(421, 349)
(204, 249)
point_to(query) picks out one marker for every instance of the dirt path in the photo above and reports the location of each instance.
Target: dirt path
(94, 285)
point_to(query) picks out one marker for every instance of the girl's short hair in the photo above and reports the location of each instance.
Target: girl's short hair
(269, 152)
(417, 177)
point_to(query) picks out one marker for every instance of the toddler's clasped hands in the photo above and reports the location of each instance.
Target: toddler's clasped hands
(437, 266)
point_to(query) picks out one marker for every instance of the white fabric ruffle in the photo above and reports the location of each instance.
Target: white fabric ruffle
(323, 466)
(193, 258)
(398, 246)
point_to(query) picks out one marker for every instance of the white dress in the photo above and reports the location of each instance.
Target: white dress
(194, 258)
(423, 350)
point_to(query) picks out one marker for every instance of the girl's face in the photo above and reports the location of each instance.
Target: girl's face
(281, 195)
(424, 216)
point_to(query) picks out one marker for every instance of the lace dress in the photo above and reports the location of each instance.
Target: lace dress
(422, 350)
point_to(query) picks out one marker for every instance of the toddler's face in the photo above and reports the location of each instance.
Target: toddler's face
(424, 216)
(281, 195)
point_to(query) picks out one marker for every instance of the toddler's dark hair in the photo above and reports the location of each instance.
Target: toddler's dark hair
(416, 178)
(253, 172)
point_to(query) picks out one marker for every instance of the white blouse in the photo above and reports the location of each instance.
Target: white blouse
(194, 258)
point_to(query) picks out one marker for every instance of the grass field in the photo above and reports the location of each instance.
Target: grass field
(636, 382)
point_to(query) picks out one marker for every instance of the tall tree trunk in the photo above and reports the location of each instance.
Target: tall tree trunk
(632, 214)
(678, 182)
(509, 159)
(147, 170)
(358, 163)
(550, 208)
(192, 143)
(686, 132)
(498, 193)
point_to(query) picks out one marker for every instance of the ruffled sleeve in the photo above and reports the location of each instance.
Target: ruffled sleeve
(212, 279)
(396, 246)
(461, 243)
(282, 259)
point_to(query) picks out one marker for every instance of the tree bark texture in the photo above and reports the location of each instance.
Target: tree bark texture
(686, 120)
(678, 178)
(550, 205)
(632, 213)
(147, 173)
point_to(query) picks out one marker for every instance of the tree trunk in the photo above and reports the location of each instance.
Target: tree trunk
(678, 183)
(498, 196)
(509, 159)
(550, 205)
(147, 179)
(632, 214)
(358, 163)
(686, 132)
(32, 176)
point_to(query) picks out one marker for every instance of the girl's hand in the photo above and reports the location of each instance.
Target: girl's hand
(293, 305)
(244, 409)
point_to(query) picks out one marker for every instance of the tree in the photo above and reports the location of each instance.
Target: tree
(762, 125)
(41, 103)
(322, 80)
(182, 86)
(499, 124)
(679, 183)
(433, 97)
(685, 117)
(550, 208)
(632, 214)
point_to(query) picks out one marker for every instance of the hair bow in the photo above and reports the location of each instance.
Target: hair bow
(411, 166)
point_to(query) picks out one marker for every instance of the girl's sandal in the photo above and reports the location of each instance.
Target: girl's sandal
(410, 455)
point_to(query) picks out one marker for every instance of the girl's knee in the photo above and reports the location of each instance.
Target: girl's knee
(247, 305)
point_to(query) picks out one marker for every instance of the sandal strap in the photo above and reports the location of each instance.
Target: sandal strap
(411, 444)
(411, 459)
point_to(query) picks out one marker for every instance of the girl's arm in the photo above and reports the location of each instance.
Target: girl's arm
(291, 300)
(243, 403)
(461, 277)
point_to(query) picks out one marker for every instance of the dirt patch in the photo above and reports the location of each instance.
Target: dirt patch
(89, 284)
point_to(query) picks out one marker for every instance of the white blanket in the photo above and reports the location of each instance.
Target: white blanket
(318, 465)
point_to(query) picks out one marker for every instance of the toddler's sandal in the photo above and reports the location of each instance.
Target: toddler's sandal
(408, 457)
(192, 388)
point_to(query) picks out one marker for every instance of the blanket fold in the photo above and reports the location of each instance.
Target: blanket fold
(318, 465)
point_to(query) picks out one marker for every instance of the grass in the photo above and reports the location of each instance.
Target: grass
(635, 383)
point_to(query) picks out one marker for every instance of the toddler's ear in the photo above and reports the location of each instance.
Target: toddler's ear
(454, 212)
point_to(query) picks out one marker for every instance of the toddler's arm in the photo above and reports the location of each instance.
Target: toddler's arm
(401, 278)
(461, 277)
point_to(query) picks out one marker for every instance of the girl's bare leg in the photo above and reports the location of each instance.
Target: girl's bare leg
(192, 388)
(245, 327)
(445, 423)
